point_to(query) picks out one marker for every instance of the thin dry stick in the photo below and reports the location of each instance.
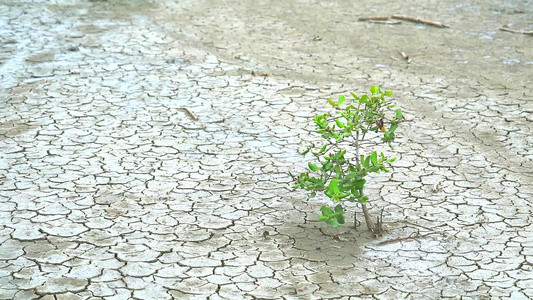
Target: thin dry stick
(190, 113)
(368, 18)
(506, 28)
(418, 20)
(407, 59)
(417, 225)
(380, 227)
(355, 220)
(408, 238)
(385, 22)
(413, 236)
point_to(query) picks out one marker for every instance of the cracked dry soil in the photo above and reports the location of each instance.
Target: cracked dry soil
(111, 189)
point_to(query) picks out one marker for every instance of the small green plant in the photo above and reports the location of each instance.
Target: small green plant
(342, 166)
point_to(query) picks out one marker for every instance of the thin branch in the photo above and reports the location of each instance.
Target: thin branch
(369, 18)
(418, 20)
(506, 28)
(357, 148)
(412, 237)
(385, 22)
(190, 113)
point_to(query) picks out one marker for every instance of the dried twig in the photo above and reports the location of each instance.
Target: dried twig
(407, 58)
(506, 28)
(190, 113)
(417, 225)
(408, 238)
(418, 20)
(413, 236)
(374, 18)
(254, 73)
(380, 227)
(385, 22)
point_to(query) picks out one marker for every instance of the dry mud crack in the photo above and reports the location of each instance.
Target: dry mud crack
(110, 189)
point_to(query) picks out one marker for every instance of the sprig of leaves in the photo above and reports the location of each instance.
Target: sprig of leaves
(333, 174)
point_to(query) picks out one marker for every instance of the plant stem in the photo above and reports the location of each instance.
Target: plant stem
(357, 147)
(368, 219)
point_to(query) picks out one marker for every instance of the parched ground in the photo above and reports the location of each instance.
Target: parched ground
(145, 149)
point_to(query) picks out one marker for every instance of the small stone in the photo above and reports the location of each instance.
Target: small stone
(73, 48)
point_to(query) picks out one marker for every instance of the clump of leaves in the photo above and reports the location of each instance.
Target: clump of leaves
(340, 174)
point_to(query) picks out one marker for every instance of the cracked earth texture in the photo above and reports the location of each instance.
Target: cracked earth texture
(110, 189)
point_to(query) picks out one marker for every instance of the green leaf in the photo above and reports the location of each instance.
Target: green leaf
(343, 186)
(333, 222)
(355, 96)
(338, 172)
(359, 184)
(363, 99)
(388, 93)
(322, 150)
(393, 127)
(374, 89)
(340, 123)
(374, 158)
(332, 103)
(351, 175)
(398, 114)
(339, 211)
(341, 100)
(391, 159)
(339, 154)
(326, 211)
(313, 194)
(333, 186)
(366, 162)
(305, 152)
(313, 167)
(343, 195)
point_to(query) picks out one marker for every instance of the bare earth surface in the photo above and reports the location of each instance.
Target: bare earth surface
(109, 189)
